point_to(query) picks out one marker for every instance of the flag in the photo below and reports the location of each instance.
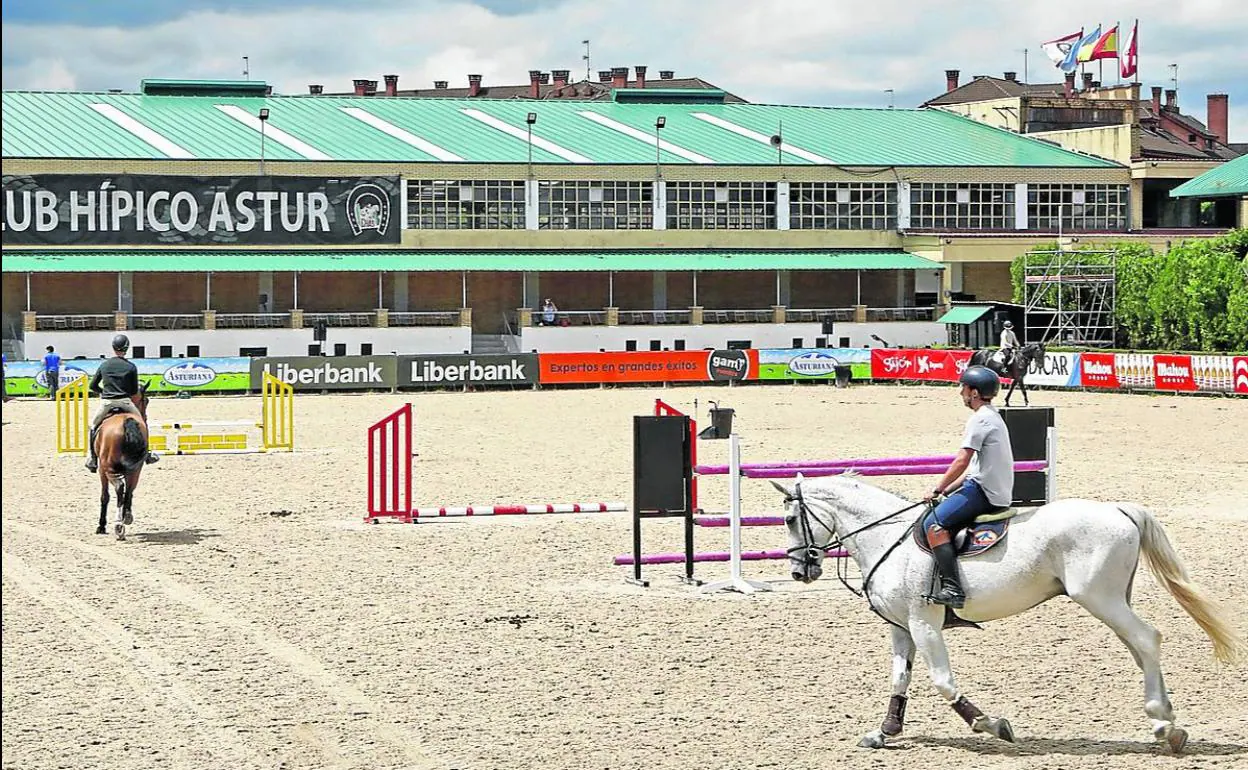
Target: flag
(1130, 59)
(1106, 47)
(1087, 44)
(1059, 48)
(1071, 62)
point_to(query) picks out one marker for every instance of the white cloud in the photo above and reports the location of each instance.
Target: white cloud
(795, 51)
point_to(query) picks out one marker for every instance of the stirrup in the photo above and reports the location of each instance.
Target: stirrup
(947, 598)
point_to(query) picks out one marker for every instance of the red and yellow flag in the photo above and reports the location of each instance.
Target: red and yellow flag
(1106, 47)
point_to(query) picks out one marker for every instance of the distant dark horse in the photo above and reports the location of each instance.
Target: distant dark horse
(1017, 370)
(121, 446)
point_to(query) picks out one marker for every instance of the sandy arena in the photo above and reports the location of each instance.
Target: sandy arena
(252, 621)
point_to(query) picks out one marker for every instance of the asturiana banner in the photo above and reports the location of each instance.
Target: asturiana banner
(164, 375)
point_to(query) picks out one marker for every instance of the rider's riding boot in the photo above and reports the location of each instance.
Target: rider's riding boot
(93, 463)
(950, 592)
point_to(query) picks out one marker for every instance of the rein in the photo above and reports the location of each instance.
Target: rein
(842, 573)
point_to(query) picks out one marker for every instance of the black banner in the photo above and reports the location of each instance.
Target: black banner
(443, 370)
(150, 210)
(322, 373)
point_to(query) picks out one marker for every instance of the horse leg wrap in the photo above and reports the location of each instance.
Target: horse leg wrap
(896, 715)
(967, 710)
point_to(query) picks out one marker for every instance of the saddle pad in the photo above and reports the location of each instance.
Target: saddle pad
(973, 540)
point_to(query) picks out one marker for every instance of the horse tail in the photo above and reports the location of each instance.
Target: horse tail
(133, 447)
(1168, 568)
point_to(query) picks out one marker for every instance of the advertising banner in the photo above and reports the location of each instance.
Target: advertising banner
(1214, 373)
(152, 210)
(1134, 370)
(163, 375)
(925, 364)
(664, 366)
(1060, 370)
(1173, 372)
(444, 370)
(1240, 374)
(813, 363)
(321, 373)
(1097, 370)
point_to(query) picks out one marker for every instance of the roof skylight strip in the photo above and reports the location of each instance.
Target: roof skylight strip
(402, 134)
(797, 152)
(523, 135)
(167, 146)
(272, 132)
(602, 120)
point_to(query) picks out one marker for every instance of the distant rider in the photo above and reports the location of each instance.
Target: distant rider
(116, 382)
(987, 461)
(1009, 345)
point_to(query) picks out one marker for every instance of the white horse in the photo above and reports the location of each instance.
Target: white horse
(1086, 550)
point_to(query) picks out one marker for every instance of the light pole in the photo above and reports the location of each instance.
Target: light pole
(659, 124)
(529, 120)
(264, 118)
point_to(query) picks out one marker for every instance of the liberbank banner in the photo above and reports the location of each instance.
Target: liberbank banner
(150, 210)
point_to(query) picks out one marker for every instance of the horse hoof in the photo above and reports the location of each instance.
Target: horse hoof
(873, 740)
(1177, 740)
(127, 518)
(120, 530)
(101, 531)
(1004, 731)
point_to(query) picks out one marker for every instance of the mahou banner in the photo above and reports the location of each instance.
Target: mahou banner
(150, 210)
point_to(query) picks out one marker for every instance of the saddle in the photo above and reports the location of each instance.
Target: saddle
(987, 530)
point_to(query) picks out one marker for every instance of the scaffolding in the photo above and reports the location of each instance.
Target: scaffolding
(1069, 297)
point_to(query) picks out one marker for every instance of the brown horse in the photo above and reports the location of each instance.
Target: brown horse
(121, 446)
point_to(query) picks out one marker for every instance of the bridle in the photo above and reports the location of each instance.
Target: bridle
(811, 552)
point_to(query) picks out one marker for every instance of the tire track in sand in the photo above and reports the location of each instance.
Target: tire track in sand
(149, 674)
(346, 696)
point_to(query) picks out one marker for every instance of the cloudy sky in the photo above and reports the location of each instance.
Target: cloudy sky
(827, 52)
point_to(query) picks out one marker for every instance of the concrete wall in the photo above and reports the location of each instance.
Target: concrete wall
(279, 342)
(1002, 113)
(1117, 143)
(591, 338)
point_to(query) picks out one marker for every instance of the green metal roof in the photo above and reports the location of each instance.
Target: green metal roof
(964, 314)
(382, 129)
(1229, 178)
(183, 261)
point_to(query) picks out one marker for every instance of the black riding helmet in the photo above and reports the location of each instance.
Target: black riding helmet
(121, 343)
(982, 379)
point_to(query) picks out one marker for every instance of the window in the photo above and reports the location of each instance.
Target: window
(957, 206)
(842, 206)
(595, 206)
(166, 351)
(475, 205)
(721, 205)
(1081, 206)
(192, 351)
(138, 351)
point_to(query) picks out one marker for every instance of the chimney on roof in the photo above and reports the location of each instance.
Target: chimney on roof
(440, 84)
(1087, 80)
(619, 77)
(1217, 120)
(474, 85)
(1011, 76)
(316, 90)
(604, 76)
(1156, 100)
(951, 79)
(370, 88)
(535, 84)
(560, 77)
(1069, 89)
(361, 86)
(392, 85)
(1172, 100)
(640, 69)
(666, 74)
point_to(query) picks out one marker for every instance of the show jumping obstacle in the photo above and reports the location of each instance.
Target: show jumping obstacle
(1033, 439)
(274, 432)
(391, 475)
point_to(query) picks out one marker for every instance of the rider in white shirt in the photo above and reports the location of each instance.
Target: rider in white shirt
(1009, 344)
